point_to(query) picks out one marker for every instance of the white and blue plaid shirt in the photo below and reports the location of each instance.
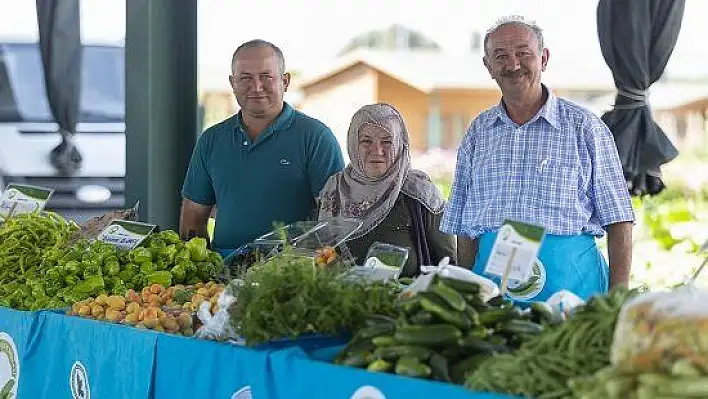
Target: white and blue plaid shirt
(560, 170)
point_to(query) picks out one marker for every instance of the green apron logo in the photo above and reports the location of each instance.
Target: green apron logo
(9, 367)
(522, 291)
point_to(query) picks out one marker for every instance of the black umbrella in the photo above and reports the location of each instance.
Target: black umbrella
(60, 46)
(637, 38)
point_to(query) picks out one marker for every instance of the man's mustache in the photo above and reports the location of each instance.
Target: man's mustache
(514, 74)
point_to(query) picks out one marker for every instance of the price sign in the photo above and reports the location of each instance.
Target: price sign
(20, 198)
(124, 234)
(514, 251)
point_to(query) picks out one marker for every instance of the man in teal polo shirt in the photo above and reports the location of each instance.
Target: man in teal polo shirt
(265, 164)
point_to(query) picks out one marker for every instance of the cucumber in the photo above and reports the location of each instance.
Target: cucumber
(429, 335)
(473, 314)
(422, 317)
(455, 318)
(439, 366)
(378, 319)
(356, 345)
(497, 301)
(500, 315)
(461, 286)
(478, 332)
(685, 387)
(521, 327)
(358, 359)
(395, 352)
(459, 369)
(449, 295)
(411, 367)
(379, 365)
(384, 340)
(542, 312)
(482, 346)
(409, 305)
(376, 330)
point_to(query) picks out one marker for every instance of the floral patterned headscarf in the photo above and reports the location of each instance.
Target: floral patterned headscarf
(353, 194)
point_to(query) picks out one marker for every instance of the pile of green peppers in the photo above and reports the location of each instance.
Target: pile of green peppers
(87, 269)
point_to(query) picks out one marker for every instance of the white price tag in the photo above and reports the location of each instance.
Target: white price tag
(19, 198)
(124, 234)
(514, 251)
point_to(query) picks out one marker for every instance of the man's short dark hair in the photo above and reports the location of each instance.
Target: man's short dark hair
(258, 43)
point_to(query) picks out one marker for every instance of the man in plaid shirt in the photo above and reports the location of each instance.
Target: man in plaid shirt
(540, 159)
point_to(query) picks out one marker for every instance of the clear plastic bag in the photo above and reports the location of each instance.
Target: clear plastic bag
(488, 289)
(655, 330)
(388, 255)
(218, 327)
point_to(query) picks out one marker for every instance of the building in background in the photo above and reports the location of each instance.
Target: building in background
(437, 93)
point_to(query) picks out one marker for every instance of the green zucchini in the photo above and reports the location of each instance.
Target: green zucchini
(521, 327)
(482, 346)
(357, 359)
(497, 301)
(542, 312)
(478, 332)
(449, 295)
(378, 319)
(456, 318)
(500, 315)
(422, 317)
(473, 314)
(380, 365)
(395, 352)
(356, 345)
(411, 367)
(461, 286)
(460, 369)
(409, 305)
(439, 366)
(376, 330)
(384, 340)
(433, 334)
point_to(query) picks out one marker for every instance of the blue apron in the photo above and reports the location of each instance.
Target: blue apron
(572, 263)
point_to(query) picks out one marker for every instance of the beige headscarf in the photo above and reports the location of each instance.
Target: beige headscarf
(352, 194)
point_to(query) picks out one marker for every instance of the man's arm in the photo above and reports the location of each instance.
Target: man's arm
(193, 219)
(324, 159)
(619, 248)
(467, 251)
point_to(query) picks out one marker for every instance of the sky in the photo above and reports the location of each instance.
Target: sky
(311, 32)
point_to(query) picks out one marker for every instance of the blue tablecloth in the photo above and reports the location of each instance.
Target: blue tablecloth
(61, 356)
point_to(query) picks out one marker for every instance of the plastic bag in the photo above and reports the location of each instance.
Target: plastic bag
(654, 330)
(488, 289)
(388, 255)
(564, 302)
(217, 327)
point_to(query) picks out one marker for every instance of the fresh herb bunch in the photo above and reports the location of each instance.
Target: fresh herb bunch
(288, 296)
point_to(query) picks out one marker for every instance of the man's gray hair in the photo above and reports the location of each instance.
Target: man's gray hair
(259, 43)
(518, 20)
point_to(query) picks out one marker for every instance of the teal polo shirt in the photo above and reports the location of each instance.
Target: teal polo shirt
(256, 183)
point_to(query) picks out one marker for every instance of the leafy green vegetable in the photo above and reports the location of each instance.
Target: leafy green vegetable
(288, 295)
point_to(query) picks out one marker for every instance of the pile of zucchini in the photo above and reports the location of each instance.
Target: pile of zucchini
(443, 333)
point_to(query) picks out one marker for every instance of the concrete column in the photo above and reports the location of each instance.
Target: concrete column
(161, 104)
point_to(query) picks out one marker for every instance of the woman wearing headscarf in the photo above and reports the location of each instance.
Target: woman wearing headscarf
(396, 204)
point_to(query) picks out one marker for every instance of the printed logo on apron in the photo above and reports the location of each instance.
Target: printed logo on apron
(523, 291)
